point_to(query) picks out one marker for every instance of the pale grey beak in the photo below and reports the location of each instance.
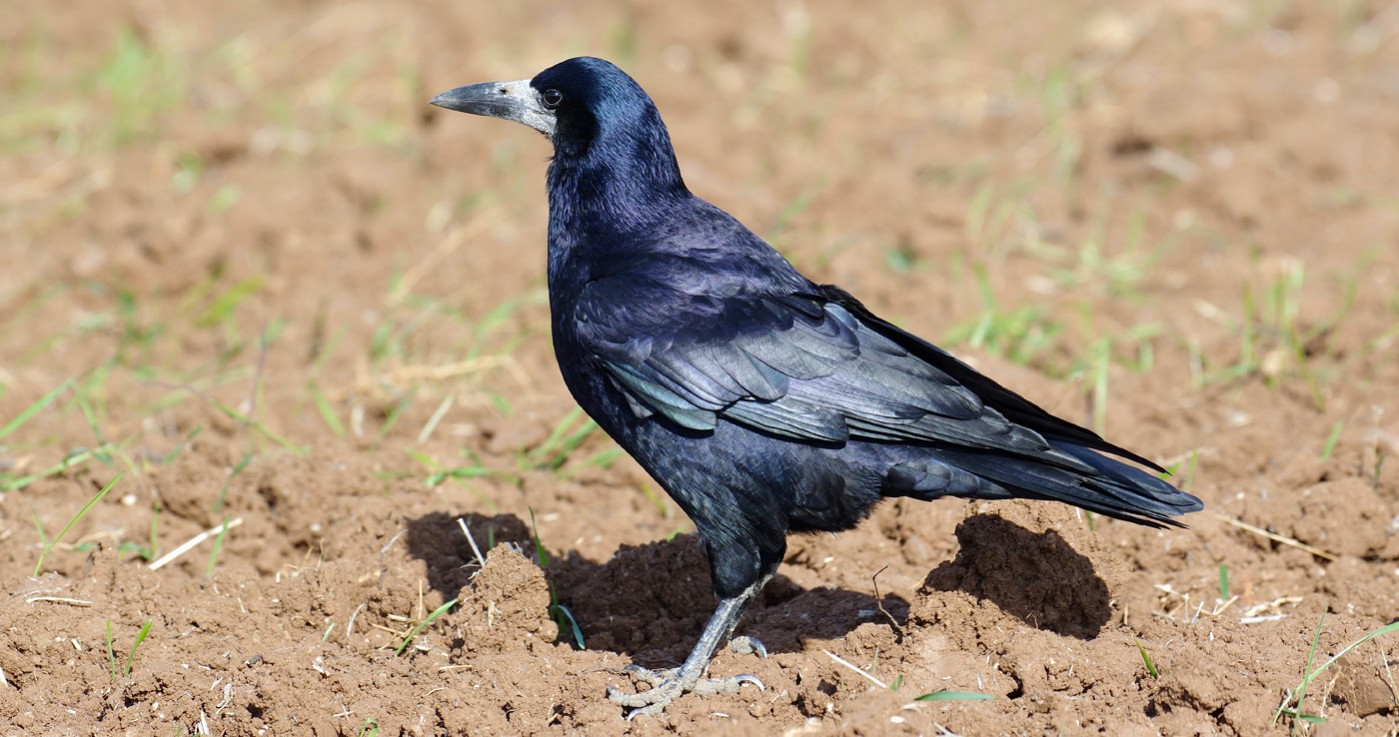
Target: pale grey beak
(516, 101)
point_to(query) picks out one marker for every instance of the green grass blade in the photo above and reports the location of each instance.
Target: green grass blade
(326, 411)
(180, 447)
(140, 638)
(111, 653)
(223, 490)
(218, 547)
(32, 410)
(224, 306)
(439, 611)
(1331, 441)
(39, 526)
(1311, 657)
(541, 556)
(39, 565)
(395, 413)
(954, 696)
(89, 413)
(562, 613)
(1301, 691)
(571, 444)
(1310, 675)
(258, 427)
(1146, 658)
(537, 456)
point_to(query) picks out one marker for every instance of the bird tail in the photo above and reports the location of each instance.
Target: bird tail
(1090, 481)
(1129, 492)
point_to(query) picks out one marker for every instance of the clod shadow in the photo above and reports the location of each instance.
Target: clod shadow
(1036, 577)
(437, 540)
(648, 601)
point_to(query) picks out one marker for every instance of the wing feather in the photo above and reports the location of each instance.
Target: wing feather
(799, 366)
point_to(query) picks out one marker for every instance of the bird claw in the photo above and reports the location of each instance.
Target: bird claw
(745, 645)
(667, 688)
(652, 678)
(726, 685)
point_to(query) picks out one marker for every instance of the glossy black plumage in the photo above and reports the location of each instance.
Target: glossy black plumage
(762, 402)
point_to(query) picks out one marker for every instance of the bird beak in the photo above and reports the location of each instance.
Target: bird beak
(516, 101)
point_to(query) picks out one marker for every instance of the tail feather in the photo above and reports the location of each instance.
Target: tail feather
(1112, 488)
(1150, 489)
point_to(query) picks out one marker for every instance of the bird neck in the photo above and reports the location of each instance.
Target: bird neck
(624, 176)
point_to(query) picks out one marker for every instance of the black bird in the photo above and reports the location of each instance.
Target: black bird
(762, 402)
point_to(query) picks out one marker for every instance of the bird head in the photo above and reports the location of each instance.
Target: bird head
(574, 103)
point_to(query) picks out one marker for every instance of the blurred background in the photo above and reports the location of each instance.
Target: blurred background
(241, 249)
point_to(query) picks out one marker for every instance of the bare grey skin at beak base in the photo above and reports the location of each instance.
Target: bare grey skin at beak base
(516, 101)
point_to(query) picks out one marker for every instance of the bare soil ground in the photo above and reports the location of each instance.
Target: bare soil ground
(258, 277)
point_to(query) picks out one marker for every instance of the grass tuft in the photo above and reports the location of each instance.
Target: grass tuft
(39, 564)
(1292, 703)
(131, 655)
(1019, 335)
(563, 440)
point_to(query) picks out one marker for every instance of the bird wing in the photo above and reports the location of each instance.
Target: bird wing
(1014, 407)
(796, 365)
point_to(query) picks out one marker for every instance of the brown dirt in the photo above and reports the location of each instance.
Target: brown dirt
(219, 219)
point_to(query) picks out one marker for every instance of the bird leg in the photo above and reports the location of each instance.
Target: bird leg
(668, 685)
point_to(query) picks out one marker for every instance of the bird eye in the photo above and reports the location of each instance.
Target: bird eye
(551, 98)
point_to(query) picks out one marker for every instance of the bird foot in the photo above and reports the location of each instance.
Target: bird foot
(667, 686)
(745, 645)
(652, 678)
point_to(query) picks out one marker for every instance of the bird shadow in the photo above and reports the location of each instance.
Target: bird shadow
(651, 601)
(648, 601)
(1035, 576)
